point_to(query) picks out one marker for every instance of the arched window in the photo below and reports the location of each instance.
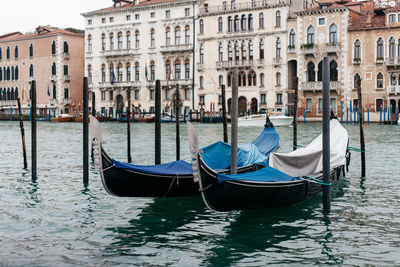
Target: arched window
(201, 24)
(230, 51)
(243, 78)
(16, 93)
(103, 42)
(103, 73)
(230, 24)
(16, 51)
(237, 51)
(8, 74)
(356, 78)
(119, 72)
(261, 21)
(1, 54)
(278, 79)
(244, 50)
(152, 38)
(137, 40)
(152, 71)
(292, 38)
(262, 49)
(278, 18)
(89, 40)
(168, 36)
(12, 73)
(1, 74)
(278, 48)
(379, 49)
(333, 34)
(112, 74)
(53, 69)
(220, 24)
(379, 80)
(177, 70)
(240, 78)
(243, 22)
(357, 50)
(311, 72)
(111, 41)
(251, 25)
(119, 40)
(333, 71)
(31, 70)
(89, 73)
(201, 82)
(31, 50)
(12, 93)
(311, 35)
(128, 40)
(220, 52)
(53, 48)
(250, 79)
(229, 79)
(177, 35)
(201, 53)
(251, 50)
(393, 79)
(66, 47)
(392, 49)
(236, 23)
(54, 91)
(137, 71)
(8, 52)
(187, 69)
(187, 34)
(320, 67)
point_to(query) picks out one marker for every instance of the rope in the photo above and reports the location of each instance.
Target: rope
(316, 180)
(355, 149)
(206, 188)
(298, 146)
(170, 185)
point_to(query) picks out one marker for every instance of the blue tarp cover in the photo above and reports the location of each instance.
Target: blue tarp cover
(268, 141)
(266, 174)
(177, 167)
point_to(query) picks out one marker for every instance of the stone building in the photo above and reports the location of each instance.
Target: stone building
(134, 43)
(51, 56)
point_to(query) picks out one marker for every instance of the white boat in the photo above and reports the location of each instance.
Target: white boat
(259, 120)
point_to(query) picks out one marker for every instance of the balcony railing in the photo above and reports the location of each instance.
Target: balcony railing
(317, 86)
(67, 101)
(394, 89)
(176, 48)
(277, 61)
(53, 102)
(332, 47)
(8, 103)
(67, 78)
(235, 64)
(291, 50)
(120, 52)
(200, 66)
(309, 49)
(241, 6)
(260, 62)
(53, 78)
(392, 61)
(66, 55)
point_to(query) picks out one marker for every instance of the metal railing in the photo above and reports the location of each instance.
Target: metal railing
(241, 6)
(177, 48)
(317, 86)
(235, 64)
(394, 89)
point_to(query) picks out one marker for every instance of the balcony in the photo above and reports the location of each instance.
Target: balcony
(235, 64)
(30, 79)
(291, 49)
(177, 48)
(379, 60)
(317, 86)
(241, 6)
(67, 78)
(53, 102)
(260, 63)
(67, 56)
(67, 102)
(277, 61)
(122, 84)
(200, 66)
(180, 82)
(309, 49)
(53, 78)
(394, 89)
(392, 61)
(332, 48)
(120, 52)
(357, 61)
(8, 103)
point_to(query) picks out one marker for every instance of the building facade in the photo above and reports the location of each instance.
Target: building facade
(131, 45)
(53, 58)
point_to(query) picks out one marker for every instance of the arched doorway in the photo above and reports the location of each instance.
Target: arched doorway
(254, 106)
(120, 105)
(242, 106)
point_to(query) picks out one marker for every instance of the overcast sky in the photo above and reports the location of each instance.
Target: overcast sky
(26, 15)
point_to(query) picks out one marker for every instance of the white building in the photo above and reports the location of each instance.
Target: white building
(132, 44)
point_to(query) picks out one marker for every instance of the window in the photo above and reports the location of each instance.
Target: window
(16, 52)
(137, 42)
(201, 82)
(278, 18)
(201, 24)
(392, 49)
(220, 24)
(66, 93)
(393, 79)
(356, 80)
(279, 99)
(53, 69)
(111, 95)
(8, 52)
(251, 50)
(152, 71)
(128, 72)
(137, 71)
(31, 50)
(167, 70)
(119, 72)
(1, 54)
(53, 48)
(89, 22)
(308, 104)
(292, 38)
(128, 40)
(167, 14)
(244, 23)
(187, 12)
(220, 52)
(379, 49)
(103, 20)
(136, 94)
(261, 21)
(202, 99)
(321, 21)
(103, 42)
(310, 35)
(311, 72)
(177, 35)
(151, 94)
(262, 79)
(333, 34)
(230, 24)
(112, 74)
(137, 16)
(187, 34)
(187, 69)
(201, 53)
(220, 80)
(233, 4)
(263, 99)
(31, 70)
(89, 40)
(17, 73)
(392, 18)
(111, 41)
(230, 51)
(237, 51)
(111, 19)
(152, 38)
(379, 81)
(168, 36)
(333, 71)
(224, 5)
(65, 69)
(65, 47)
(103, 97)
(244, 50)
(54, 91)
(378, 104)
(119, 40)
(278, 48)
(152, 15)
(128, 17)
(278, 79)
(261, 49)
(167, 94)
(103, 73)
(251, 26)
(357, 50)
(177, 70)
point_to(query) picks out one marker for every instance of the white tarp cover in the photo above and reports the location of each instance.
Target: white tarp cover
(308, 160)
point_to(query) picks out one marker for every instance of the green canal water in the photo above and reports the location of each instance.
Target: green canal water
(54, 221)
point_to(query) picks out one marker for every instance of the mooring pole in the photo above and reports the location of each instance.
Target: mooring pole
(296, 99)
(362, 142)
(158, 123)
(33, 131)
(234, 122)
(326, 135)
(224, 119)
(85, 107)
(21, 125)
(128, 118)
(178, 141)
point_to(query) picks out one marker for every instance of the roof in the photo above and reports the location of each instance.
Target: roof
(19, 36)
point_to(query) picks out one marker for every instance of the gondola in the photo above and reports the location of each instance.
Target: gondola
(175, 178)
(289, 178)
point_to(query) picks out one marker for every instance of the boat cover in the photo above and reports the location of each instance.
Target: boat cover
(218, 155)
(174, 168)
(308, 160)
(266, 174)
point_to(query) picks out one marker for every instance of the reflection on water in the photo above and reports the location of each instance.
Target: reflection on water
(54, 221)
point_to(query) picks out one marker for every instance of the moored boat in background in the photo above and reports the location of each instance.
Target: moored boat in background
(258, 120)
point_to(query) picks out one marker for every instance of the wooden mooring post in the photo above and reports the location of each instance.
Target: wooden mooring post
(362, 141)
(178, 140)
(128, 124)
(158, 124)
(224, 119)
(85, 107)
(21, 125)
(33, 131)
(326, 136)
(234, 123)
(296, 99)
